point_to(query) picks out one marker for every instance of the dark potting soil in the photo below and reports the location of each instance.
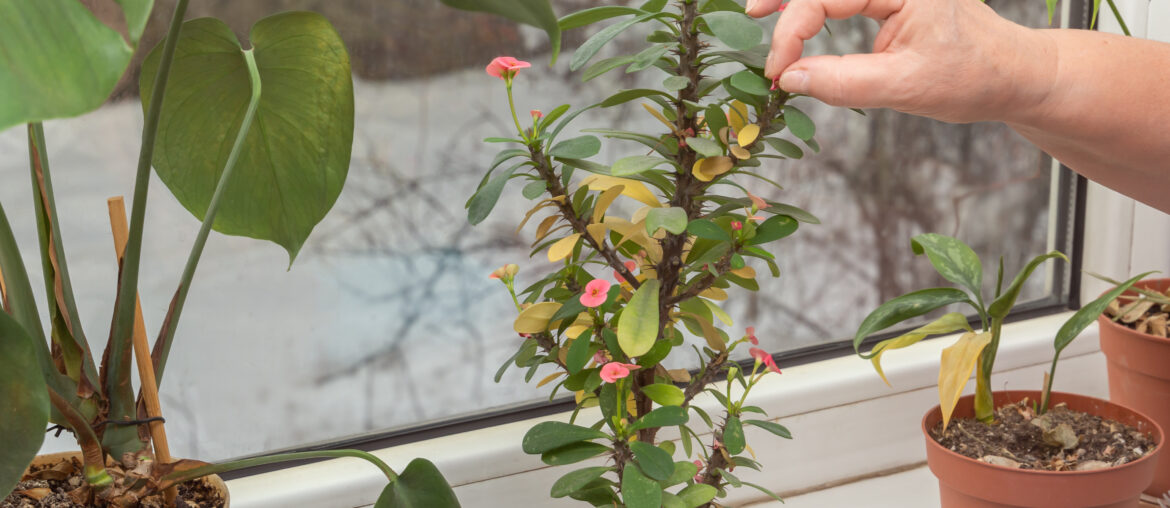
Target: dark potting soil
(61, 485)
(1060, 440)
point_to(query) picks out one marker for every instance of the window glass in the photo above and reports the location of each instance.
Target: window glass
(388, 319)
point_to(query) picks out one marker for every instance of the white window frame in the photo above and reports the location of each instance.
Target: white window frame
(847, 424)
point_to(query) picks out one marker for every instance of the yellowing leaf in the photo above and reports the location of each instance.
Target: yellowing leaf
(543, 204)
(748, 134)
(597, 231)
(582, 323)
(718, 312)
(709, 168)
(737, 116)
(634, 232)
(948, 323)
(714, 293)
(535, 319)
(746, 272)
(740, 153)
(548, 379)
(660, 117)
(679, 375)
(563, 247)
(543, 229)
(634, 189)
(955, 367)
(637, 327)
(604, 200)
(712, 335)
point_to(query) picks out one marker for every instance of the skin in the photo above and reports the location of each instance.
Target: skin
(1099, 103)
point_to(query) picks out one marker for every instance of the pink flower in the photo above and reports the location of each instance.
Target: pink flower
(699, 475)
(763, 357)
(630, 266)
(600, 357)
(536, 114)
(736, 225)
(776, 80)
(614, 371)
(506, 67)
(596, 292)
(759, 202)
(505, 272)
(751, 336)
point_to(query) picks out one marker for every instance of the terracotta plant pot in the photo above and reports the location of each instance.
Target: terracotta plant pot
(1139, 376)
(214, 481)
(968, 483)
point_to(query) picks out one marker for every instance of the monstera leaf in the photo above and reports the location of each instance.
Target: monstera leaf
(24, 403)
(57, 60)
(296, 155)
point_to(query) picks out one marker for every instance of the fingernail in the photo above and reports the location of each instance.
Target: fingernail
(750, 4)
(794, 81)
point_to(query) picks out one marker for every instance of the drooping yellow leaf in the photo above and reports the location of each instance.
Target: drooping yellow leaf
(737, 116)
(633, 188)
(750, 450)
(548, 379)
(746, 272)
(740, 153)
(604, 200)
(563, 247)
(597, 231)
(725, 135)
(714, 293)
(539, 206)
(542, 229)
(714, 338)
(948, 323)
(661, 118)
(748, 134)
(709, 168)
(540, 238)
(955, 367)
(535, 319)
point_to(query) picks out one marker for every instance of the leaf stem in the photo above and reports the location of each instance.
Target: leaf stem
(1120, 21)
(190, 474)
(512, 108)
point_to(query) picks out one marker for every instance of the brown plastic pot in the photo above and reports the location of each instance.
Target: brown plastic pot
(1139, 375)
(968, 483)
(214, 481)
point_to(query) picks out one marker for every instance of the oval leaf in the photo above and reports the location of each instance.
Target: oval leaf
(639, 491)
(799, 123)
(486, 197)
(664, 394)
(580, 147)
(752, 83)
(665, 416)
(24, 402)
(705, 147)
(733, 436)
(546, 436)
(734, 29)
(772, 427)
(535, 319)
(296, 155)
(637, 327)
(573, 453)
(575, 480)
(673, 219)
(905, 307)
(775, 228)
(633, 165)
(953, 259)
(697, 495)
(652, 460)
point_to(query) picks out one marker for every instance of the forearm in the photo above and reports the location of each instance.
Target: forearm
(1106, 110)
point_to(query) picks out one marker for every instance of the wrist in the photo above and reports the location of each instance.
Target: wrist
(1029, 83)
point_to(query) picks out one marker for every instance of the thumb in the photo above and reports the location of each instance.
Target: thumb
(856, 81)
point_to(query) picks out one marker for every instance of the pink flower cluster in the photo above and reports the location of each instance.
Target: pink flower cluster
(763, 357)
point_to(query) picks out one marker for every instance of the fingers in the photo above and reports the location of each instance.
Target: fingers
(857, 81)
(803, 19)
(761, 8)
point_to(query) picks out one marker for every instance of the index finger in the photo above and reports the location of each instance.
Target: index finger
(803, 19)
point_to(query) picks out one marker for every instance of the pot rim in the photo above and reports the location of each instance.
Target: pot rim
(1102, 320)
(1156, 431)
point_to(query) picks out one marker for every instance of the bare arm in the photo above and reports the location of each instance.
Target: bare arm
(1097, 102)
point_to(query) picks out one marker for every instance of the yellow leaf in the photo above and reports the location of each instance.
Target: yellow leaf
(634, 232)
(540, 238)
(542, 229)
(549, 378)
(740, 153)
(680, 375)
(709, 168)
(583, 322)
(725, 135)
(948, 323)
(563, 247)
(746, 272)
(535, 318)
(714, 293)
(749, 449)
(714, 339)
(586, 400)
(955, 367)
(748, 134)
(718, 312)
(597, 232)
(737, 116)
(661, 118)
(604, 200)
(634, 189)
(539, 206)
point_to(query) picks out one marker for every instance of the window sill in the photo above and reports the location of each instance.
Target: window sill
(847, 426)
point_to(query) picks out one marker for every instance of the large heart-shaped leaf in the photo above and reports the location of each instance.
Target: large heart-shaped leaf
(24, 403)
(58, 60)
(420, 485)
(538, 13)
(296, 155)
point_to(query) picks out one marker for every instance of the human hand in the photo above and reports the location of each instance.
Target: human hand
(952, 60)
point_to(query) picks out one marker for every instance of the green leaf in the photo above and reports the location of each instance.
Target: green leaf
(697, 495)
(775, 228)
(573, 453)
(420, 485)
(1089, 313)
(625, 96)
(485, 199)
(750, 82)
(638, 491)
(546, 436)
(715, 117)
(575, 480)
(953, 259)
(296, 155)
(652, 460)
(604, 66)
(675, 83)
(950, 322)
(137, 13)
(672, 219)
(24, 402)
(594, 44)
(772, 427)
(764, 490)
(647, 57)
(1003, 304)
(579, 353)
(653, 5)
(59, 61)
(664, 394)
(733, 437)
(637, 327)
(734, 29)
(705, 147)
(665, 416)
(537, 13)
(799, 123)
(576, 148)
(706, 229)
(904, 307)
(683, 470)
(533, 190)
(635, 164)
(591, 16)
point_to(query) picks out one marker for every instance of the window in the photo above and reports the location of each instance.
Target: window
(388, 320)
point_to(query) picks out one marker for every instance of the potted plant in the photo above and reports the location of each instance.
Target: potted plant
(1013, 448)
(1133, 338)
(62, 61)
(643, 248)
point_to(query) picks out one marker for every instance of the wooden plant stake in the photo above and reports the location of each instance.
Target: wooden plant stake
(158, 434)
